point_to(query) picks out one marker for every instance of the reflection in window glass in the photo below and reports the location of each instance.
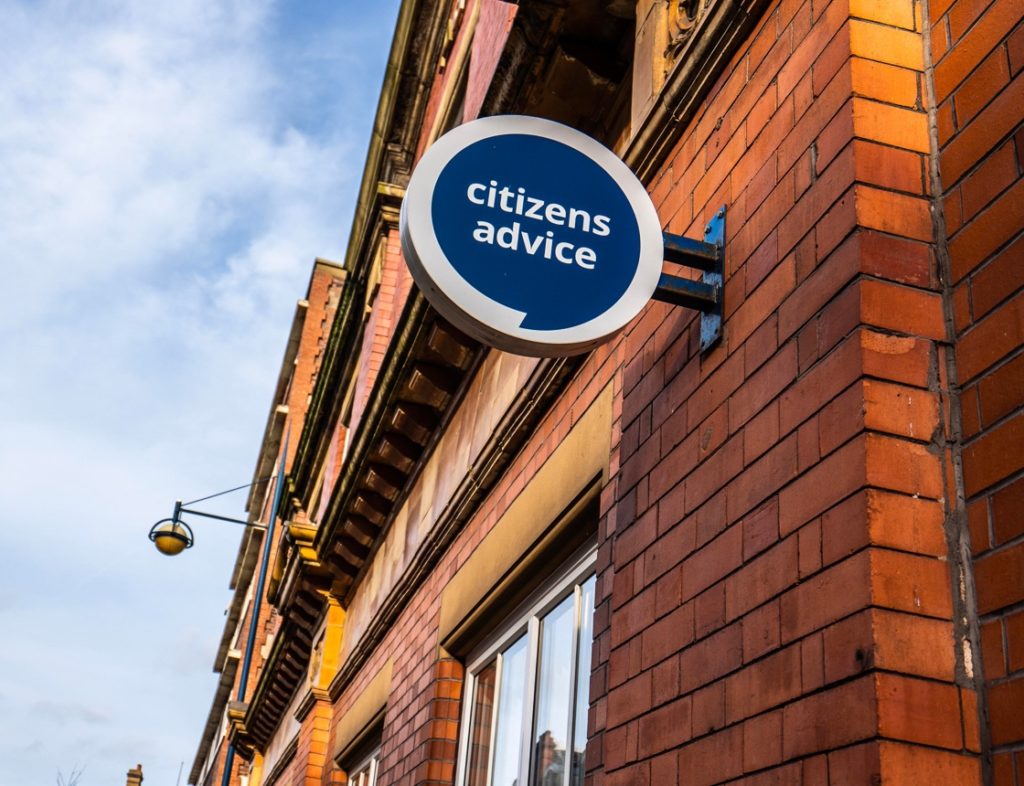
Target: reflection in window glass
(508, 738)
(480, 733)
(529, 692)
(554, 688)
(586, 638)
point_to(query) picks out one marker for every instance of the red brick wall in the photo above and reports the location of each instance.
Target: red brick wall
(213, 777)
(978, 50)
(421, 722)
(492, 30)
(780, 604)
(453, 34)
(387, 303)
(774, 599)
(311, 755)
(323, 296)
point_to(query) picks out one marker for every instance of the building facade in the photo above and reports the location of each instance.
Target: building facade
(797, 558)
(302, 357)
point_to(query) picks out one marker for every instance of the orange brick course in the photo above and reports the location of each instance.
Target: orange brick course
(979, 90)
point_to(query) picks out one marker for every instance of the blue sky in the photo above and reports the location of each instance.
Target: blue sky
(168, 172)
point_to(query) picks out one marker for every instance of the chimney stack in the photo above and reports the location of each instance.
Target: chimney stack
(135, 776)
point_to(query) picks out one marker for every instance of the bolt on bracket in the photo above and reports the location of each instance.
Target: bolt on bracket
(705, 295)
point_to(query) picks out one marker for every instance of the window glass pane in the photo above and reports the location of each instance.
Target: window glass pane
(554, 689)
(508, 738)
(586, 640)
(480, 731)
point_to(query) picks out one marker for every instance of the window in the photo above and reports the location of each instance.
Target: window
(365, 772)
(527, 690)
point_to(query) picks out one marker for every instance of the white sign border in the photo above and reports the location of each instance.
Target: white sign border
(479, 315)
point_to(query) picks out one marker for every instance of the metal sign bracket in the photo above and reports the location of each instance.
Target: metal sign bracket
(705, 295)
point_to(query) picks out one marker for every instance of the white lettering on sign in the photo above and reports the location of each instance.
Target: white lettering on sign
(518, 202)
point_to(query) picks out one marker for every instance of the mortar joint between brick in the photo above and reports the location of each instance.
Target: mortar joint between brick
(966, 624)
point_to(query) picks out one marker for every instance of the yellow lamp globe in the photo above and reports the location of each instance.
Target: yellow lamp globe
(171, 537)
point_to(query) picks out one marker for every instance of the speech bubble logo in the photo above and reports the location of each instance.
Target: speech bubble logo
(536, 226)
(530, 236)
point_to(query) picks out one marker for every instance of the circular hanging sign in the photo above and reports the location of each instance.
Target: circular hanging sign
(530, 236)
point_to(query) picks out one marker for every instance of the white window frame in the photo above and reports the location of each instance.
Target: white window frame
(526, 619)
(369, 765)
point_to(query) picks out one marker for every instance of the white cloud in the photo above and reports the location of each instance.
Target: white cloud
(169, 172)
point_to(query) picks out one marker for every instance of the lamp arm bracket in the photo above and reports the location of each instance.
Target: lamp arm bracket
(255, 525)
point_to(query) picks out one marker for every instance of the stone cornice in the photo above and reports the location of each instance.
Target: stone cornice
(416, 390)
(287, 666)
(515, 427)
(283, 671)
(245, 566)
(309, 701)
(415, 50)
(420, 381)
(238, 732)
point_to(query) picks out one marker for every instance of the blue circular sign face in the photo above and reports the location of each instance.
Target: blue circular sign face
(556, 239)
(530, 235)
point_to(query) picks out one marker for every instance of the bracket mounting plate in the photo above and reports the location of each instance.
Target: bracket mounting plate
(704, 295)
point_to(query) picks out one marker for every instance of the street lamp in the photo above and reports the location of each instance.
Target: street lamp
(172, 536)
